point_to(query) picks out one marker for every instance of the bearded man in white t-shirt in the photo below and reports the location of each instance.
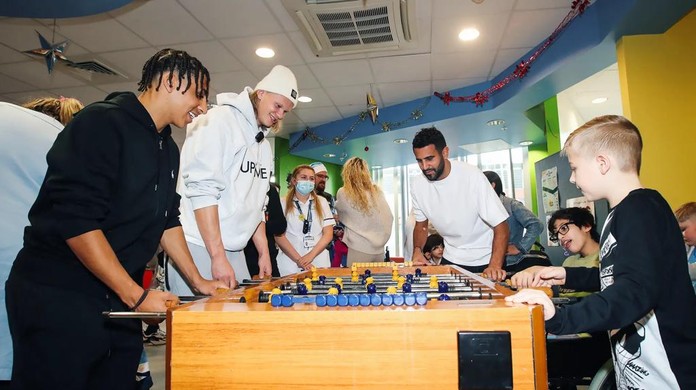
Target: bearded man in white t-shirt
(460, 203)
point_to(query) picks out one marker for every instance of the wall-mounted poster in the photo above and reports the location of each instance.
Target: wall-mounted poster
(581, 202)
(549, 188)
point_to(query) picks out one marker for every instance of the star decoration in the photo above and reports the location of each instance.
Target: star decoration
(521, 69)
(479, 99)
(372, 108)
(50, 51)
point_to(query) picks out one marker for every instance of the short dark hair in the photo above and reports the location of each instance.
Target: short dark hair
(494, 178)
(579, 216)
(432, 241)
(429, 136)
(179, 61)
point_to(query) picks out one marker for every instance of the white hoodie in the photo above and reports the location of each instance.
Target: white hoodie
(223, 165)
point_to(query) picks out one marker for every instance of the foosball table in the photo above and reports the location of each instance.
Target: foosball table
(376, 325)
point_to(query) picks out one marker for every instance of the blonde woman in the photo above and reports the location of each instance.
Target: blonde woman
(363, 209)
(61, 109)
(310, 226)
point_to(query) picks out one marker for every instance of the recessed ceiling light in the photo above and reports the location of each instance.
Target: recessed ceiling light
(329, 155)
(376, 167)
(503, 128)
(599, 100)
(495, 122)
(469, 34)
(265, 52)
(400, 141)
(304, 99)
(526, 143)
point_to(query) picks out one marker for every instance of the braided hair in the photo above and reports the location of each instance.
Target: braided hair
(179, 62)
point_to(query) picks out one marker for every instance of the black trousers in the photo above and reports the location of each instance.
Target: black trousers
(62, 341)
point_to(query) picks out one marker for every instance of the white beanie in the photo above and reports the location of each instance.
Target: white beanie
(318, 167)
(282, 81)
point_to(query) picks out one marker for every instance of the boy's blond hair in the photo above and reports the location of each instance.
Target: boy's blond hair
(686, 212)
(609, 133)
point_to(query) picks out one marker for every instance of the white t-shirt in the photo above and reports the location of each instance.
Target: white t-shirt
(294, 234)
(463, 208)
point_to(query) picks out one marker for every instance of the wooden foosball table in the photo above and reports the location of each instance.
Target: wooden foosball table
(312, 331)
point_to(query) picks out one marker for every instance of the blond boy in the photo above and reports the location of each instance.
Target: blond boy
(686, 215)
(646, 302)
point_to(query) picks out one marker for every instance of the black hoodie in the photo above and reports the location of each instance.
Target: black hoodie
(109, 170)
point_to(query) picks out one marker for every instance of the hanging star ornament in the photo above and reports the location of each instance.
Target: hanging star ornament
(372, 108)
(50, 51)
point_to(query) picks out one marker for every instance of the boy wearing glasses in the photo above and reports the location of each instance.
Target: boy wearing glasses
(575, 230)
(646, 300)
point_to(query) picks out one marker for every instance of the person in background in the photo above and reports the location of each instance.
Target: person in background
(107, 201)
(646, 302)
(525, 228)
(226, 166)
(462, 206)
(26, 137)
(364, 213)
(686, 215)
(275, 226)
(310, 226)
(575, 230)
(321, 176)
(434, 248)
(340, 253)
(61, 109)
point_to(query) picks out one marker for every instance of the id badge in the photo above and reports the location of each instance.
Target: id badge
(308, 241)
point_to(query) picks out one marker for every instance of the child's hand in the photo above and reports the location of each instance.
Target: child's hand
(522, 279)
(534, 297)
(549, 276)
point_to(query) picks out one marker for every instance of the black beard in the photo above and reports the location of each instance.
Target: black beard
(438, 171)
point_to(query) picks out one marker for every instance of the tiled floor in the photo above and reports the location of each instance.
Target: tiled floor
(156, 356)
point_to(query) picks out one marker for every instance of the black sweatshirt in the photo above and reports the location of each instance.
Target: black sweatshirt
(109, 170)
(647, 302)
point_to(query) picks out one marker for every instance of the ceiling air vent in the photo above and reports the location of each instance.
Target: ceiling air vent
(94, 66)
(335, 27)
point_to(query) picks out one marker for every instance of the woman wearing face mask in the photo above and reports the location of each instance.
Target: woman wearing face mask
(310, 226)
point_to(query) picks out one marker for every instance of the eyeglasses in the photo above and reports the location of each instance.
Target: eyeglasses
(325, 177)
(305, 226)
(563, 229)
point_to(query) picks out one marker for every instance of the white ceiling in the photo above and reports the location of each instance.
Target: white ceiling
(224, 34)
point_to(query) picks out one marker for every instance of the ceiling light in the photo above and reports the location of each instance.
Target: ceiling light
(503, 128)
(526, 143)
(265, 52)
(304, 99)
(400, 141)
(599, 100)
(469, 34)
(495, 122)
(329, 155)
(376, 167)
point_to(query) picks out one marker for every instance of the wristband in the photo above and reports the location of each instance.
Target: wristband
(141, 300)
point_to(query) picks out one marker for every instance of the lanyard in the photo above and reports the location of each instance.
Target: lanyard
(309, 214)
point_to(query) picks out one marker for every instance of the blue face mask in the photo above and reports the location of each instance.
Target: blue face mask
(304, 187)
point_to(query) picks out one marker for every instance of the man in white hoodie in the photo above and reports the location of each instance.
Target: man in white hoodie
(226, 165)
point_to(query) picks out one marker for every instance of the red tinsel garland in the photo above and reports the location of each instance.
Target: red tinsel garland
(521, 70)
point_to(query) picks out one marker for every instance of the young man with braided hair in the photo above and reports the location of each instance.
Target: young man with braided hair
(107, 201)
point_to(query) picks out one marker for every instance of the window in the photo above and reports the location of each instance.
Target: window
(396, 181)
